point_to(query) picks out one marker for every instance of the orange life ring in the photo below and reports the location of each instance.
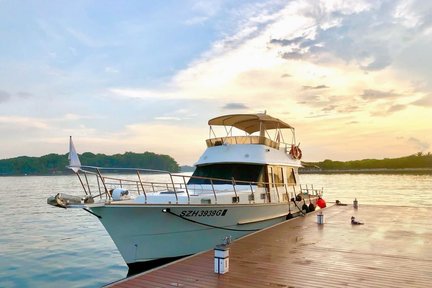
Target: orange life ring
(299, 153)
(295, 152)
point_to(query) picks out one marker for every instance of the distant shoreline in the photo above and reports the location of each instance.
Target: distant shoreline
(418, 171)
(368, 171)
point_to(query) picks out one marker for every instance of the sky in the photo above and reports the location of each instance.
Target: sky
(353, 77)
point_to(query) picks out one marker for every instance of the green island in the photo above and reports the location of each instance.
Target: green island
(55, 164)
(416, 163)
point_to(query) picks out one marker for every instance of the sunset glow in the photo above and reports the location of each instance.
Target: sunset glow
(353, 77)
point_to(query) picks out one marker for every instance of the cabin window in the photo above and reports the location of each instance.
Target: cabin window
(240, 172)
(205, 201)
(291, 177)
(276, 176)
(236, 199)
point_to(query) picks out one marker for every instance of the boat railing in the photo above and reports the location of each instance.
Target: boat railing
(96, 184)
(309, 189)
(218, 141)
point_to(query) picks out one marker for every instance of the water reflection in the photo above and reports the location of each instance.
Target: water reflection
(44, 246)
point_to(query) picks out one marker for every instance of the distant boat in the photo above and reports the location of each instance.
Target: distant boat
(241, 184)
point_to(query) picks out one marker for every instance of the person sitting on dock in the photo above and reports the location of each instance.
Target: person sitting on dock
(355, 222)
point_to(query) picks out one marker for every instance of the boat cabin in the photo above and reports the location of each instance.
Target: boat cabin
(259, 157)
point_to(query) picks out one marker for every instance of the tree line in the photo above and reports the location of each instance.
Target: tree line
(415, 161)
(55, 164)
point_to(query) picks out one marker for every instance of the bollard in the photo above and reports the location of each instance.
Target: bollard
(320, 218)
(355, 203)
(221, 259)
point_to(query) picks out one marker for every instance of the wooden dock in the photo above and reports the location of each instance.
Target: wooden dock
(392, 249)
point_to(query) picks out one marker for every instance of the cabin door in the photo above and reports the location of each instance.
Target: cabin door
(270, 181)
(276, 182)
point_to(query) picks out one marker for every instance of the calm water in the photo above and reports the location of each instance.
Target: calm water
(44, 246)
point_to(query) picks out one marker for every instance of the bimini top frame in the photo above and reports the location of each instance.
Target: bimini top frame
(250, 123)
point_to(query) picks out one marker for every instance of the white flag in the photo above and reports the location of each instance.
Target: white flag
(74, 162)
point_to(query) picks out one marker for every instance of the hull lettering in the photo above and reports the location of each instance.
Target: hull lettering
(203, 213)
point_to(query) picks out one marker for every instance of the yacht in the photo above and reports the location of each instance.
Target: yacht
(246, 180)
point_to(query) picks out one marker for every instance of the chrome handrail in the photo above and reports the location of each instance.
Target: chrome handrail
(177, 185)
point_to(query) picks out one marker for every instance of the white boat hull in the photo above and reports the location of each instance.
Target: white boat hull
(145, 232)
(241, 184)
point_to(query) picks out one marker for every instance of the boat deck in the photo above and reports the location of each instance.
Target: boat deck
(392, 249)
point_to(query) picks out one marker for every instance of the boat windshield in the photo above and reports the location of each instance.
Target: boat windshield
(228, 171)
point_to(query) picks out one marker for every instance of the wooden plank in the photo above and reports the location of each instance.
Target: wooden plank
(391, 249)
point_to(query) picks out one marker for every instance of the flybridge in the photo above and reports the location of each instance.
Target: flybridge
(257, 128)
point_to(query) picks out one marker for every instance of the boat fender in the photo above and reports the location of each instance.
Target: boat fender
(289, 215)
(321, 203)
(119, 194)
(311, 207)
(305, 207)
(298, 198)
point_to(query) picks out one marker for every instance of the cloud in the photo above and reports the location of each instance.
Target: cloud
(395, 108)
(196, 20)
(288, 42)
(353, 34)
(295, 55)
(110, 69)
(352, 122)
(313, 116)
(425, 101)
(24, 122)
(329, 108)
(4, 96)
(168, 118)
(84, 39)
(75, 117)
(24, 95)
(183, 114)
(386, 111)
(372, 94)
(142, 93)
(188, 145)
(419, 144)
(310, 99)
(315, 87)
(332, 60)
(349, 109)
(235, 106)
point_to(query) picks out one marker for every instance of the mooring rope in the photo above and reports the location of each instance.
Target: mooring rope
(167, 210)
(301, 211)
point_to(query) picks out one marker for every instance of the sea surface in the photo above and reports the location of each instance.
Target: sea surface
(45, 246)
